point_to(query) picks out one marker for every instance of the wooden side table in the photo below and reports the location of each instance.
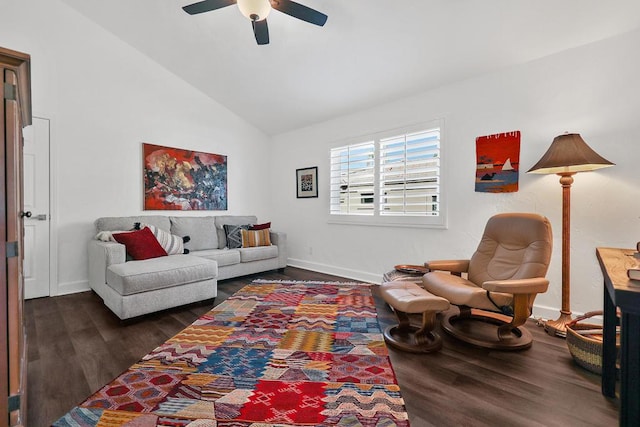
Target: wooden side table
(621, 292)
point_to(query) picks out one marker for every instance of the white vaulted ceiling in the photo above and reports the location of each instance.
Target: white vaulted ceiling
(369, 52)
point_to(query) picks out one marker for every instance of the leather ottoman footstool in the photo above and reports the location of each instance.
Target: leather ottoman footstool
(409, 298)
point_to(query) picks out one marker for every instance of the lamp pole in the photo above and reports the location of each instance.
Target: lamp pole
(559, 326)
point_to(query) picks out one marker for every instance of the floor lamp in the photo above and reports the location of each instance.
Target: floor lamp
(567, 155)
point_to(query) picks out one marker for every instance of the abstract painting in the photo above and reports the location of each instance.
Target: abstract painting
(178, 179)
(497, 162)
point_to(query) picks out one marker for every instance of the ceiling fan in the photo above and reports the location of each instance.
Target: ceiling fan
(258, 10)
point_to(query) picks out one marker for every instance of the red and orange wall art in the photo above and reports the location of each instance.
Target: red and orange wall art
(178, 179)
(497, 162)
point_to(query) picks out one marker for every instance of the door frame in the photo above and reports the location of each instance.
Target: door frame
(53, 218)
(12, 340)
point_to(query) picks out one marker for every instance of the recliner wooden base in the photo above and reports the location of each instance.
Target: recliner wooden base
(481, 328)
(409, 339)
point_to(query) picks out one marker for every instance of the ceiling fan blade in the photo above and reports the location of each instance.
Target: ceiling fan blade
(299, 11)
(207, 5)
(261, 31)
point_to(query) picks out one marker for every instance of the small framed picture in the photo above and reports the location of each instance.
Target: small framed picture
(307, 182)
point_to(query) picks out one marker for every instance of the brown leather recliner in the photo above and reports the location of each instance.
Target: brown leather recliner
(503, 277)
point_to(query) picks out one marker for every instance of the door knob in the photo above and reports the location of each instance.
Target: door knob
(27, 214)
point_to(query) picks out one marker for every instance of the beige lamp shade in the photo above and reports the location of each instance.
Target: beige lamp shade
(569, 153)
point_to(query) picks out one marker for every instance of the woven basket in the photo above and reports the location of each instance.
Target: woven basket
(587, 349)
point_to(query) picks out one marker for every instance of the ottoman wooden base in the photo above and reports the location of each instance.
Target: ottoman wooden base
(408, 298)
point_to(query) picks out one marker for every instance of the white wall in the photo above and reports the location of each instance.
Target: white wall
(104, 99)
(592, 90)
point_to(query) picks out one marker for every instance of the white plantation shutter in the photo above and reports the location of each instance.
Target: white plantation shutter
(352, 179)
(390, 178)
(410, 174)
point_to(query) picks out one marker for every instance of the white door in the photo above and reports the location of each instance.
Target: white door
(36, 209)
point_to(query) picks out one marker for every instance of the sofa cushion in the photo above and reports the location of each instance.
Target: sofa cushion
(140, 244)
(253, 238)
(140, 276)
(201, 230)
(258, 253)
(221, 220)
(223, 257)
(122, 223)
(233, 235)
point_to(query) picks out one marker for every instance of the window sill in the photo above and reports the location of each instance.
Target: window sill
(394, 222)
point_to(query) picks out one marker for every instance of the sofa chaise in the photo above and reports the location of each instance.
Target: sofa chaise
(132, 288)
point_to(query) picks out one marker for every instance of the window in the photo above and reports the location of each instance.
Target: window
(390, 178)
(409, 174)
(353, 179)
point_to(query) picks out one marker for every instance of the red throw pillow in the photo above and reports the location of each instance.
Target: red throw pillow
(260, 226)
(140, 244)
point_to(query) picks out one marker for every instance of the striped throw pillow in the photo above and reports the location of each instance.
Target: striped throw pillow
(171, 243)
(253, 238)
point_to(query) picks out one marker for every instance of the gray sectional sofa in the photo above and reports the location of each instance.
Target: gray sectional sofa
(133, 288)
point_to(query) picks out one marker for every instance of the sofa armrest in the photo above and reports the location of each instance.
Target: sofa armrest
(101, 256)
(280, 240)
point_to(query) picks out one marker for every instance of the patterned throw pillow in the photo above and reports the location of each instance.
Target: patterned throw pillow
(170, 242)
(140, 244)
(253, 238)
(232, 232)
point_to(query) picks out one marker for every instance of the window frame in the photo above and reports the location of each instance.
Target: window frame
(413, 221)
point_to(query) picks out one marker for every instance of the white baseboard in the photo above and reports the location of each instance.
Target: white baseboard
(544, 312)
(72, 287)
(362, 276)
(550, 313)
(539, 312)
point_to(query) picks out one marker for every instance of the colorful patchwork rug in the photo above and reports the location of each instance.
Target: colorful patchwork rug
(273, 354)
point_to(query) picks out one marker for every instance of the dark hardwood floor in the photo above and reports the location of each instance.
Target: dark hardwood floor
(76, 345)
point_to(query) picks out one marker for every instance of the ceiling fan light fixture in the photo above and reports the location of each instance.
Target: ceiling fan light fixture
(255, 10)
